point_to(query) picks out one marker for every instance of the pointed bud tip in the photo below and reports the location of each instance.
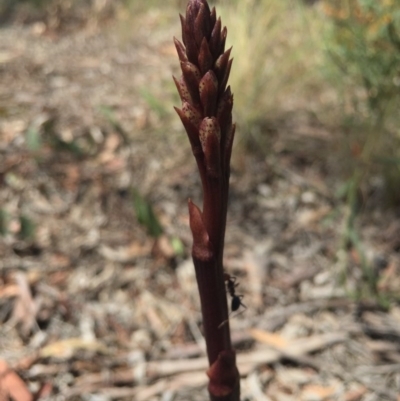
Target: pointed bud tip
(202, 249)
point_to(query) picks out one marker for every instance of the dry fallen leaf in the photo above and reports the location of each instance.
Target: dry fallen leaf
(9, 291)
(355, 394)
(272, 339)
(65, 349)
(108, 154)
(25, 307)
(11, 385)
(44, 391)
(126, 253)
(164, 247)
(254, 263)
(317, 392)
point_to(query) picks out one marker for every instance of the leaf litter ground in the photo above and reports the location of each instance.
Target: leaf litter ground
(93, 307)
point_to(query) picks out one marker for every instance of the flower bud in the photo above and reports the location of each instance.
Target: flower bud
(180, 50)
(215, 39)
(208, 88)
(202, 24)
(205, 58)
(210, 136)
(183, 90)
(191, 113)
(192, 132)
(192, 76)
(221, 64)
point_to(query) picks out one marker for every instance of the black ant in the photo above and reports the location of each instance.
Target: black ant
(236, 301)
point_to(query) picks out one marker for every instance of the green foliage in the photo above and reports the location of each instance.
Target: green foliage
(27, 228)
(33, 139)
(363, 41)
(177, 246)
(157, 105)
(365, 45)
(145, 214)
(60, 145)
(3, 222)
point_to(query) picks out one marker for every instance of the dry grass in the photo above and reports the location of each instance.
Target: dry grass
(277, 57)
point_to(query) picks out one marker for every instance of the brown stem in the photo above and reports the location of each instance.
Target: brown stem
(206, 114)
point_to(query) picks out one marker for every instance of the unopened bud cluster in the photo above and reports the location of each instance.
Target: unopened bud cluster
(206, 111)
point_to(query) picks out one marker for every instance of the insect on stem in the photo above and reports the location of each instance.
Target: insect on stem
(236, 301)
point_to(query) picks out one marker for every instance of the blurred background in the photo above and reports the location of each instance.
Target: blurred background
(96, 278)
